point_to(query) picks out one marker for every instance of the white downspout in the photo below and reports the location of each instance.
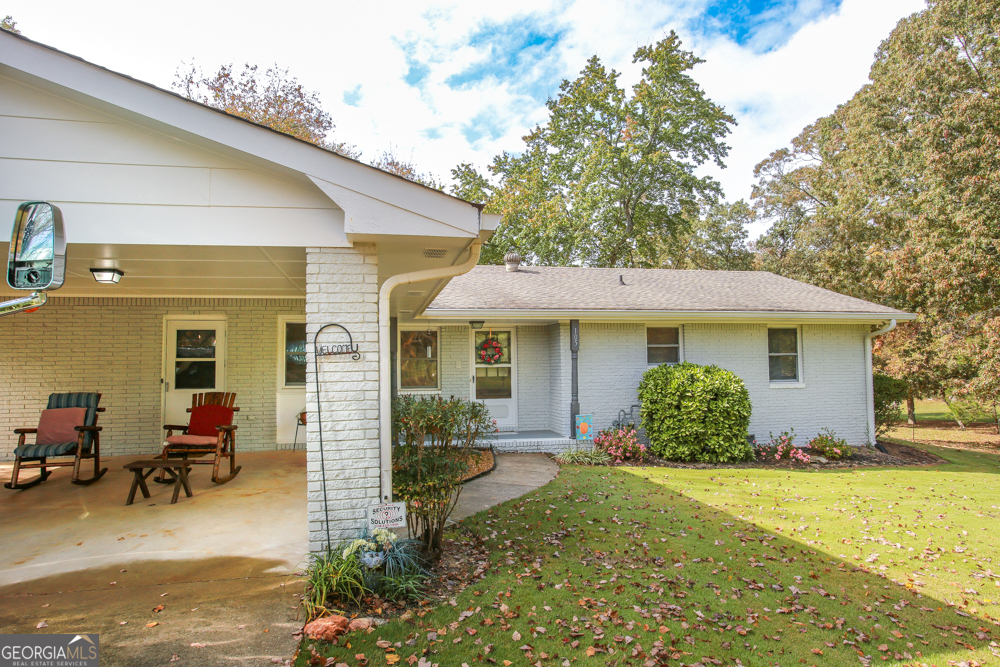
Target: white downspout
(869, 380)
(384, 365)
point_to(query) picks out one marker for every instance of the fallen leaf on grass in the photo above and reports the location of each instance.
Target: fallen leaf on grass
(817, 651)
(123, 623)
(41, 625)
(392, 658)
(158, 608)
(516, 636)
(45, 605)
(197, 645)
(152, 625)
(174, 658)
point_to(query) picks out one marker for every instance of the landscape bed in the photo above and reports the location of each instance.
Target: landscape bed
(647, 566)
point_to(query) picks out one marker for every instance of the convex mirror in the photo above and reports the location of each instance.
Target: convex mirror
(37, 257)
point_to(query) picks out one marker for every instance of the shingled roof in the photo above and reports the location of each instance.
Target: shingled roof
(565, 289)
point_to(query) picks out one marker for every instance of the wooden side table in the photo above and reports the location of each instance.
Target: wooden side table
(176, 468)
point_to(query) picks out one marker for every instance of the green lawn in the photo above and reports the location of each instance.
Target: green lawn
(931, 409)
(723, 567)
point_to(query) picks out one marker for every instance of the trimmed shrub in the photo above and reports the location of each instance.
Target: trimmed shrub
(889, 395)
(696, 413)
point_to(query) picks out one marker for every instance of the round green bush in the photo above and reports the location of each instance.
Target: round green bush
(696, 413)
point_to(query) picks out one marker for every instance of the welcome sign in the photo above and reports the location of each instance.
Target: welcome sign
(390, 515)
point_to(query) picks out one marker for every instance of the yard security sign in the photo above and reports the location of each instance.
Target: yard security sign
(390, 515)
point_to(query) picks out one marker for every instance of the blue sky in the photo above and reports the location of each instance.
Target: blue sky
(452, 82)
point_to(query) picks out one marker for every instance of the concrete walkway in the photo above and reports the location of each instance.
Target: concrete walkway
(515, 475)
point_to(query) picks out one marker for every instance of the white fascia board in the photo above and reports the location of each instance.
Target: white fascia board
(367, 216)
(135, 97)
(647, 315)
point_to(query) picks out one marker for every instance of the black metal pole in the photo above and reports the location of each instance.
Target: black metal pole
(574, 349)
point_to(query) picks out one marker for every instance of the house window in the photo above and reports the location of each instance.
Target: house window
(295, 354)
(783, 354)
(663, 345)
(418, 359)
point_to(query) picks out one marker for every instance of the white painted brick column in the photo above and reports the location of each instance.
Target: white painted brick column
(342, 288)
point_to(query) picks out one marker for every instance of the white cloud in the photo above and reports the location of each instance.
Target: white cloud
(336, 48)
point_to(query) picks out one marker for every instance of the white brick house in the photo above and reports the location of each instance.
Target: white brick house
(243, 243)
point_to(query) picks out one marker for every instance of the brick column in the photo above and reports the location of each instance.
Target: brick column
(342, 288)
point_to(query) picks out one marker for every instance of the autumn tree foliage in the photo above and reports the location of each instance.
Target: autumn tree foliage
(272, 98)
(391, 162)
(9, 24)
(893, 197)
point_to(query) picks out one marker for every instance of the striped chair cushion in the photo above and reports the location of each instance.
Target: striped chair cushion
(78, 400)
(45, 451)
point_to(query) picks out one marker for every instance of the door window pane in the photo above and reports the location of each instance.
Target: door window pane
(196, 343)
(194, 374)
(783, 355)
(418, 359)
(295, 354)
(502, 337)
(493, 382)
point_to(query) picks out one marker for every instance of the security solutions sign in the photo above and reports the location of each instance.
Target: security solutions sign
(390, 515)
(49, 650)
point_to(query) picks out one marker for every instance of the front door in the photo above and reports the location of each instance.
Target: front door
(194, 362)
(495, 384)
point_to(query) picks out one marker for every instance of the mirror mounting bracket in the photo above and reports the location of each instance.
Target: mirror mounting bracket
(28, 304)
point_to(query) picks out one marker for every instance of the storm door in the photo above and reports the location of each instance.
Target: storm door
(494, 380)
(194, 362)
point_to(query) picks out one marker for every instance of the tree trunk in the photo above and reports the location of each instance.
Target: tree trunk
(911, 411)
(954, 414)
(996, 418)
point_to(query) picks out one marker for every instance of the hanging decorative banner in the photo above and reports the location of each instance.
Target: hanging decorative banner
(390, 515)
(585, 427)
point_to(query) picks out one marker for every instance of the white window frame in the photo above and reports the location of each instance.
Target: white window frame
(786, 384)
(399, 362)
(282, 321)
(680, 342)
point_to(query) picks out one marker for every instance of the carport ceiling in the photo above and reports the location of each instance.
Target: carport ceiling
(183, 271)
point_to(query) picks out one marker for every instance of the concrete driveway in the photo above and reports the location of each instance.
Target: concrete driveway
(220, 563)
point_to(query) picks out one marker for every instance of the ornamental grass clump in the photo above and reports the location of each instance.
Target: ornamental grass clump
(696, 413)
(586, 457)
(377, 563)
(434, 441)
(621, 446)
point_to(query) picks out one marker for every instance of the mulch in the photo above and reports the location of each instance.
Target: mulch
(899, 455)
(482, 461)
(463, 562)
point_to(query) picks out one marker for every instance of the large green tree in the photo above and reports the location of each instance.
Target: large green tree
(612, 173)
(893, 197)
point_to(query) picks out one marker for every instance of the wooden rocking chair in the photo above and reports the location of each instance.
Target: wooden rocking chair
(210, 432)
(67, 427)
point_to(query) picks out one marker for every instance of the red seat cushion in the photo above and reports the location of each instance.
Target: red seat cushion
(192, 440)
(205, 418)
(56, 426)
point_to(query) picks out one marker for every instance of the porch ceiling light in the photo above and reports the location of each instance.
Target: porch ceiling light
(107, 276)
(477, 324)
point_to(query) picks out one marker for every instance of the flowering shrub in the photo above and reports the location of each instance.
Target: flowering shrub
(621, 446)
(782, 447)
(829, 446)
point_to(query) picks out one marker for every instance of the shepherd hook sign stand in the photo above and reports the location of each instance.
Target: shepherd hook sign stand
(337, 349)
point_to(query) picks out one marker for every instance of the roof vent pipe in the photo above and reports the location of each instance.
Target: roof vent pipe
(512, 260)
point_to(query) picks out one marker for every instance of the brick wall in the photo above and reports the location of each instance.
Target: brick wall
(559, 379)
(613, 359)
(115, 346)
(342, 287)
(533, 378)
(833, 360)
(455, 352)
